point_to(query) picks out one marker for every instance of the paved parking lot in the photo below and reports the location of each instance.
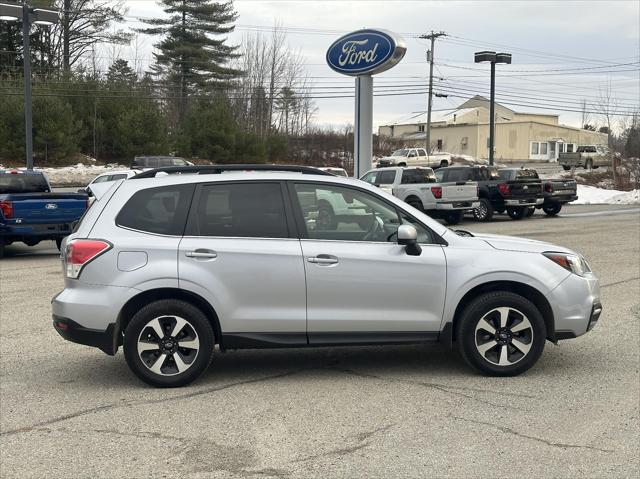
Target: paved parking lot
(68, 410)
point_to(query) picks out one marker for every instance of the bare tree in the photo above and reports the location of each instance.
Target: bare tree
(606, 107)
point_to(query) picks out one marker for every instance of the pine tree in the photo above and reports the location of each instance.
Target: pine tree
(192, 54)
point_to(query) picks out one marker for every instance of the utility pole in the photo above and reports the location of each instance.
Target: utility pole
(430, 36)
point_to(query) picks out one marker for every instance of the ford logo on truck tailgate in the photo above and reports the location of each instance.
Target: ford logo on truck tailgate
(365, 52)
(51, 206)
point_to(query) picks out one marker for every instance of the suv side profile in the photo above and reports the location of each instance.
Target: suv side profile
(169, 267)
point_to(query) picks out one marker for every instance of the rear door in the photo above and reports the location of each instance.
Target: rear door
(240, 252)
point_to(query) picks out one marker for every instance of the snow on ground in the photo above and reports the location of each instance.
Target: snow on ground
(77, 175)
(590, 195)
(467, 160)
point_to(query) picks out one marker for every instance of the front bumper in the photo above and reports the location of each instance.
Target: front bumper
(72, 331)
(457, 205)
(524, 202)
(576, 305)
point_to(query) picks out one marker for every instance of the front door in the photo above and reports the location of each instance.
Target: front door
(361, 285)
(239, 253)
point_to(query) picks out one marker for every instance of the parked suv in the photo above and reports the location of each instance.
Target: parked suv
(170, 266)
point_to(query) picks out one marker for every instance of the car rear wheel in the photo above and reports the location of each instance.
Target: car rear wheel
(484, 212)
(59, 243)
(453, 217)
(501, 334)
(552, 209)
(530, 211)
(168, 343)
(516, 212)
(1, 248)
(566, 168)
(444, 164)
(416, 203)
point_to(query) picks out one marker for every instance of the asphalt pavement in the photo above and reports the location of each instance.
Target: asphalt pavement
(399, 411)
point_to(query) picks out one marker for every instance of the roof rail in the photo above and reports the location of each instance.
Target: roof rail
(217, 169)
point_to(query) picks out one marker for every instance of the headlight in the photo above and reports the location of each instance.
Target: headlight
(571, 262)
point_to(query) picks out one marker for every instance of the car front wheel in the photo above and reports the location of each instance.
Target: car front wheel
(168, 343)
(501, 334)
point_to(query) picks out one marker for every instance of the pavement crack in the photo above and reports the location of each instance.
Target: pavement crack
(362, 441)
(508, 430)
(619, 282)
(107, 407)
(451, 390)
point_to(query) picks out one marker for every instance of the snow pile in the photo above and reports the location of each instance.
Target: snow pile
(590, 195)
(468, 160)
(77, 175)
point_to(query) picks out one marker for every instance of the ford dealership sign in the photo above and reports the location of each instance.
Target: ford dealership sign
(365, 52)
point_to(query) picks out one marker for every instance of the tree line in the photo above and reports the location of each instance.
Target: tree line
(202, 97)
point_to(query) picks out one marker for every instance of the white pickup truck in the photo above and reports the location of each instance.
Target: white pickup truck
(415, 157)
(418, 187)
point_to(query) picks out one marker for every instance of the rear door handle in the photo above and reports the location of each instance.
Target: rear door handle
(201, 253)
(323, 259)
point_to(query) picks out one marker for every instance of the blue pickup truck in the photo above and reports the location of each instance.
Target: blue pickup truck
(30, 212)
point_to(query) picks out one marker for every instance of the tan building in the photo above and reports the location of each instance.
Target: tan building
(518, 136)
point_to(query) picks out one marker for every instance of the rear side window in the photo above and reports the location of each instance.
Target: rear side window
(160, 210)
(529, 174)
(23, 183)
(417, 175)
(240, 210)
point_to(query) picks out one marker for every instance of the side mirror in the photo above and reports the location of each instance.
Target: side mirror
(408, 236)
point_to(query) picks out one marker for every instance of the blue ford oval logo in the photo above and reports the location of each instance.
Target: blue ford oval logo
(365, 52)
(51, 206)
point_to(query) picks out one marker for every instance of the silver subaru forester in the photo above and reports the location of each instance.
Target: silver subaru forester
(256, 257)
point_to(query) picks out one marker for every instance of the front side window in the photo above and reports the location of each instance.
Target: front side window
(101, 179)
(332, 212)
(160, 210)
(239, 210)
(400, 153)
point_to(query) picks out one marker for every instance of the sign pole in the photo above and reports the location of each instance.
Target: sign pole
(363, 127)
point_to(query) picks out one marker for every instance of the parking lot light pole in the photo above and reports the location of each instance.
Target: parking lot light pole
(493, 58)
(28, 15)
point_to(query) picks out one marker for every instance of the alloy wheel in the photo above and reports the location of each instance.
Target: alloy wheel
(481, 211)
(168, 345)
(504, 336)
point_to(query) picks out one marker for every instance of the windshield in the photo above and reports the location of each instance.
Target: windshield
(23, 183)
(403, 152)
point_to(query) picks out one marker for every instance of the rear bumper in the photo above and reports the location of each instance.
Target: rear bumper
(457, 205)
(15, 232)
(559, 199)
(524, 202)
(72, 331)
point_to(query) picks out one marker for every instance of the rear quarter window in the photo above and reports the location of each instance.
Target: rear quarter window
(161, 210)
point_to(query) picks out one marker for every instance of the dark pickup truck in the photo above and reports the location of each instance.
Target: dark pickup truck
(497, 195)
(555, 192)
(30, 212)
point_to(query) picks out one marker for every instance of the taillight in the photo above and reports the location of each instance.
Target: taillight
(504, 188)
(437, 192)
(548, 187)
(7, 209)
(80, 252)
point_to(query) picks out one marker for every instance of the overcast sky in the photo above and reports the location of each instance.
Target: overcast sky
(594, 39)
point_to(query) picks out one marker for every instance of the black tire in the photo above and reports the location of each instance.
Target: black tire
(566, 168)
(1, 249)
(484, 212)
(530, 211)
(471, 336)
(552, 209)
(167, 310)
(59, 243)
(402, 165)
(443, 164)
(326, 217)
(498, 211)
(416, 203)
(453, 217)
(516, 212)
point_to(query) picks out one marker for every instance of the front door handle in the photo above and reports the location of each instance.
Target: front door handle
(323, 259)
(202, 254)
